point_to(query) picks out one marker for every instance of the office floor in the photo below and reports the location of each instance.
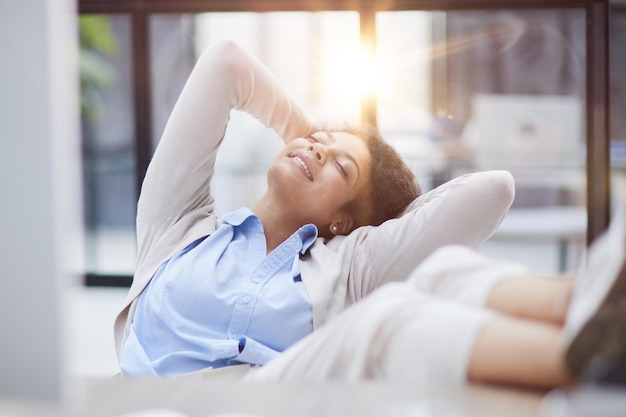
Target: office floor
(91, 312)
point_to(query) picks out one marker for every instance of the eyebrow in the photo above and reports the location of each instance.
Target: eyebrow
(348, 155)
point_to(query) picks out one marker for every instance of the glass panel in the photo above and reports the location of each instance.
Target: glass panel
(313, 55)
(403, 50)
(469, 91)
(108, 126)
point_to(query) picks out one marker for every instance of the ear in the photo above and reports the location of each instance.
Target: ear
(342, 225)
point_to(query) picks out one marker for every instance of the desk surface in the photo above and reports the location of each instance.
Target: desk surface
(203, 398)
(194, 397)
(544, 223)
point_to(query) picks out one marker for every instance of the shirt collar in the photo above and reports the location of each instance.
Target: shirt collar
(237, 217)
(307, 233)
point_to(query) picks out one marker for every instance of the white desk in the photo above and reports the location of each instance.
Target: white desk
(194, 397)
(565, 226)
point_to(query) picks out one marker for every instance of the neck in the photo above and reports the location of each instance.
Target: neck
(276, 223)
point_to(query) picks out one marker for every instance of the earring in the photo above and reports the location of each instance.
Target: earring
(333, 228)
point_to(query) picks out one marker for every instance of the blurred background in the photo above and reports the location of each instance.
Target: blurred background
(454, 91)
(521, 85)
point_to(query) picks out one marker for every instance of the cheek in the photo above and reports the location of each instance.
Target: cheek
(335, 193)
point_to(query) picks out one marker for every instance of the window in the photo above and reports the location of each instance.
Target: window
(108, 137)
(430, 79)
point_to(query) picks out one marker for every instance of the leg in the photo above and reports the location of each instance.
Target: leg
(592, 307)
(537, 350)
(535, 298)
(401, 335)
(505, 286)
(396, 334)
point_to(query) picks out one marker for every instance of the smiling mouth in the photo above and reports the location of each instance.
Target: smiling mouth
(300, 162)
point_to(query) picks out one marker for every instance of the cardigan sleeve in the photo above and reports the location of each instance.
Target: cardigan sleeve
(178, 179)
(464, 211)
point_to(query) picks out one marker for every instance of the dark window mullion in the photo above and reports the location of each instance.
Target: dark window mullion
(141, 71)
(597, 116)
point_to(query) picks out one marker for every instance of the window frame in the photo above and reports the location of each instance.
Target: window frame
(597, 70)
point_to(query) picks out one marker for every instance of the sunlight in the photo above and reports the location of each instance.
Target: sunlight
(350, 73)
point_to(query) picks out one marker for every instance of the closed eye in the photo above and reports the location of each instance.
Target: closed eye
(341, 169)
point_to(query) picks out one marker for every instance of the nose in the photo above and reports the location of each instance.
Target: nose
(318, 151)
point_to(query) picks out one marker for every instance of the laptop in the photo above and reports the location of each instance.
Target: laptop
(528, 132)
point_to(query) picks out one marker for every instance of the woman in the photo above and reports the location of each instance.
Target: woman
(214, 292)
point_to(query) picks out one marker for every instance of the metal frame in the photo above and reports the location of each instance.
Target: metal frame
(597, 47)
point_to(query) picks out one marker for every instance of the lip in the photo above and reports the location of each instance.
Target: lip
(298, 158)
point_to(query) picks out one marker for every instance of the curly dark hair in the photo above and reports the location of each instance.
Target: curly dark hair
(392, 185)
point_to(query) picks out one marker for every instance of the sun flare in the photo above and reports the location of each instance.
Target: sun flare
(351, 73)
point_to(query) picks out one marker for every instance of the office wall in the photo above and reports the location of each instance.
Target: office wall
(40, 211)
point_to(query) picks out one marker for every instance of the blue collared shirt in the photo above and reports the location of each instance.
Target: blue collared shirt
(221, 301)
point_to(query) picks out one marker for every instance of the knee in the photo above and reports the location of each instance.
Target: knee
(381, 304)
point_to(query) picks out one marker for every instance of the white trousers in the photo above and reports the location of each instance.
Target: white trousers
(419, 331)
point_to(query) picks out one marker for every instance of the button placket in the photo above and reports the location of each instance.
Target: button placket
(256, 279)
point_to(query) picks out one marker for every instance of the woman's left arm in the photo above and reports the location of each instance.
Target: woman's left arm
(466, 211)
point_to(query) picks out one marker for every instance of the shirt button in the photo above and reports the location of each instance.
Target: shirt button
(246, 299)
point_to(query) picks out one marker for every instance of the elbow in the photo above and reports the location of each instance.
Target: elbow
(225, 56)
(504, 187)
(494, 191)
(224, 49)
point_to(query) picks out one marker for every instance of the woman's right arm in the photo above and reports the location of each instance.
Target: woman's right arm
(225, 77)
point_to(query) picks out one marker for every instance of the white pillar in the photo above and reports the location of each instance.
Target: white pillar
(40, 202)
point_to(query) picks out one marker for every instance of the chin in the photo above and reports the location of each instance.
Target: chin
(280, 182)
